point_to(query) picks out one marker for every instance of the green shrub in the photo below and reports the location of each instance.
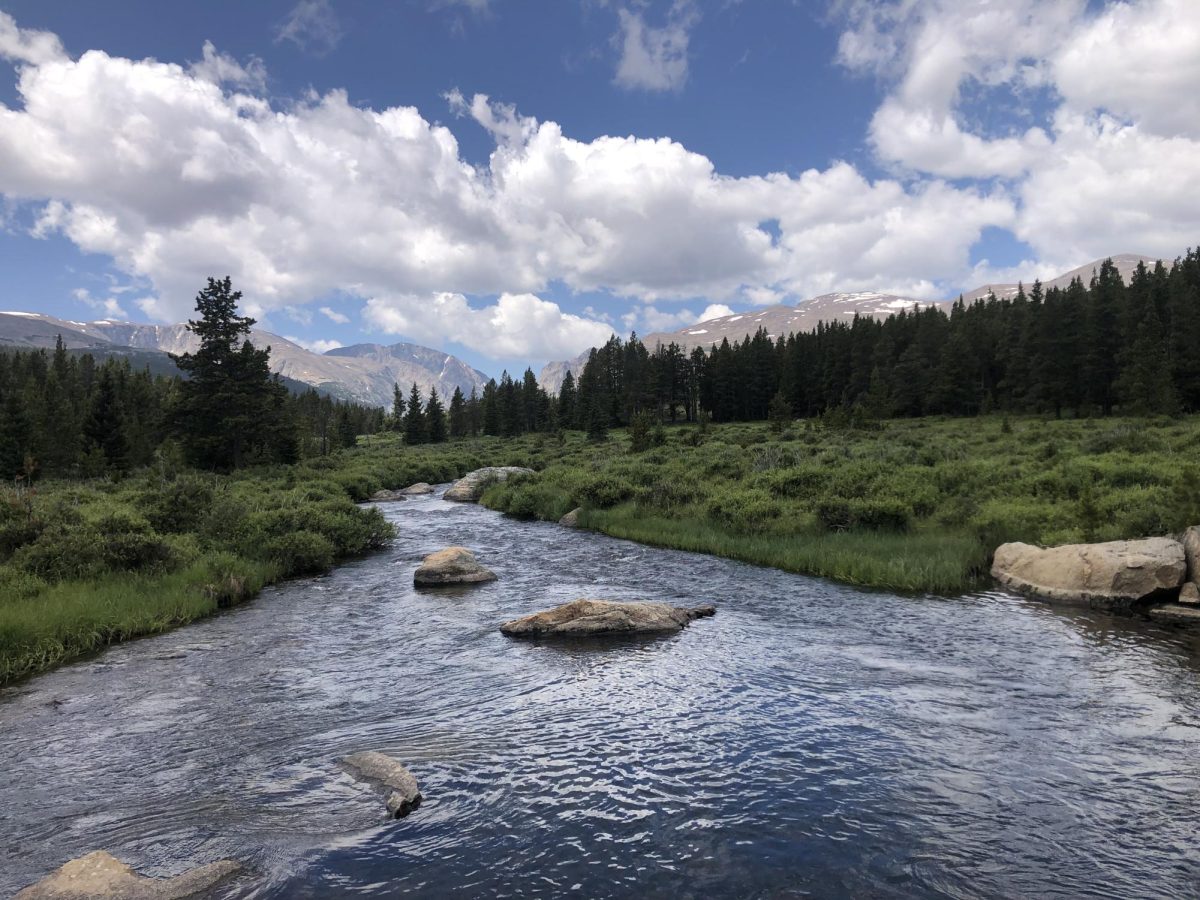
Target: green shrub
(301, 553)
(875, 514)
(178, 505)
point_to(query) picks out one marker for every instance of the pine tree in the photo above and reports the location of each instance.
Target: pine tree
(490, 409)
(398, 407)
(568, 416)
(229, 408)
(103, 428)
(458, 414)
(416, 431)
(435, 418)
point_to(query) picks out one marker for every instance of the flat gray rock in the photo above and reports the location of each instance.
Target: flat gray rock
(415, 490)
(404, 796)
(1173, 612)
(585, 618)
(101, 875)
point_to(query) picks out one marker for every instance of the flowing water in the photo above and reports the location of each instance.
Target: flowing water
(810, 740)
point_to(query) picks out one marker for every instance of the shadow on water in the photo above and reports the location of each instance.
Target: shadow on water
(811, 739)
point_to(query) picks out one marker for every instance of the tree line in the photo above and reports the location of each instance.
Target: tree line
(68, 414)
(1094, 349)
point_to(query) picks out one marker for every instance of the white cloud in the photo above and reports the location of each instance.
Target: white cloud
(1111, 168)
(649, 319)
(311, 25)
(317, 346)
(25, 45)
(516, 325)
(655, 59)
(334, 316)
(178, 173)
(110, 306)
(220, 68)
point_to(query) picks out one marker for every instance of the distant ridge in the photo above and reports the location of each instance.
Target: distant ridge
(783, 320)
(363, 373)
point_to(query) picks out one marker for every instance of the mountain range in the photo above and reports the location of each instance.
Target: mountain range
(363, 373)
(782, 320)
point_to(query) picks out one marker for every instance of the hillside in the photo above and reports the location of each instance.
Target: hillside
(364, 373)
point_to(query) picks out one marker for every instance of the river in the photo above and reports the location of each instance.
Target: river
(809, 740)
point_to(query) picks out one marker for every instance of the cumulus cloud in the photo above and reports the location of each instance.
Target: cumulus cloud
(1120, 85)
(655, 58)
(317, 346)
(25, 45)
(311, 25)
(334, 316)
(182, 172)
(110, 306)
(648, 319)
(516, 325)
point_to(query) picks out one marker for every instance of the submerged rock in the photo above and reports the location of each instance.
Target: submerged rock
(370, 765)
(471, 486)
(571, 519)
(1114, 575)
(386, 496)
(416, 489)
(593, 617)
(1174, 612)
(454, 565)
(100, 875)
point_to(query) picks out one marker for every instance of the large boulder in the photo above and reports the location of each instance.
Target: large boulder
(583, 618)
(1114, 575)
(454, 565)
(471, 486)
(100, 874)
(404, 796)
(420, 487)
(386, 496)
(571, 519)
(1191, 550)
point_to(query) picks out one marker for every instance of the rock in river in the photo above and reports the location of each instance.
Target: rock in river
(1114, 575)
(100, 875)
(571, 519)
(1174, 612)
(454, 565)
(471, 486)
(419, 488)
(581, 618)
(370, 765)
(386, 496)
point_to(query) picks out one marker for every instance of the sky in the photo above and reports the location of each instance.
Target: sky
(514, 180)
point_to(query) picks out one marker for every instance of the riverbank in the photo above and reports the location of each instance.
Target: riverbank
(908, 505)
(911, 505)
(85, 564)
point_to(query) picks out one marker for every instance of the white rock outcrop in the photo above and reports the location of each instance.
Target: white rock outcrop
(1113, 575)
(471, 486)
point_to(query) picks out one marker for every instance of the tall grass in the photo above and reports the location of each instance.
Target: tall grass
(939, 563)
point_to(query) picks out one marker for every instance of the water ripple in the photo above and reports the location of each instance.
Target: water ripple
(811, 740)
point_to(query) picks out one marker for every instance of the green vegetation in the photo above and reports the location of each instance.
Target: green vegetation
(87, 563)
(914, 505)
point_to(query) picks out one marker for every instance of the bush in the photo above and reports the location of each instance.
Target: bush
(301, 553)
(605, 490)
(874, 514)
(178, 505)
(744, 510)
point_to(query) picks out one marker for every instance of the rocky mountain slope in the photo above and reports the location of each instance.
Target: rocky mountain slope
(783, 320)
(363, 373)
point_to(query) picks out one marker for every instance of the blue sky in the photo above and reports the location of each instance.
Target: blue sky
(779, 150)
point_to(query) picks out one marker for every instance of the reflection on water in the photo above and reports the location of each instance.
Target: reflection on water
(811, 739)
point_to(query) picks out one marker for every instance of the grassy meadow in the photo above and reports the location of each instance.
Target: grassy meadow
(909, 505)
